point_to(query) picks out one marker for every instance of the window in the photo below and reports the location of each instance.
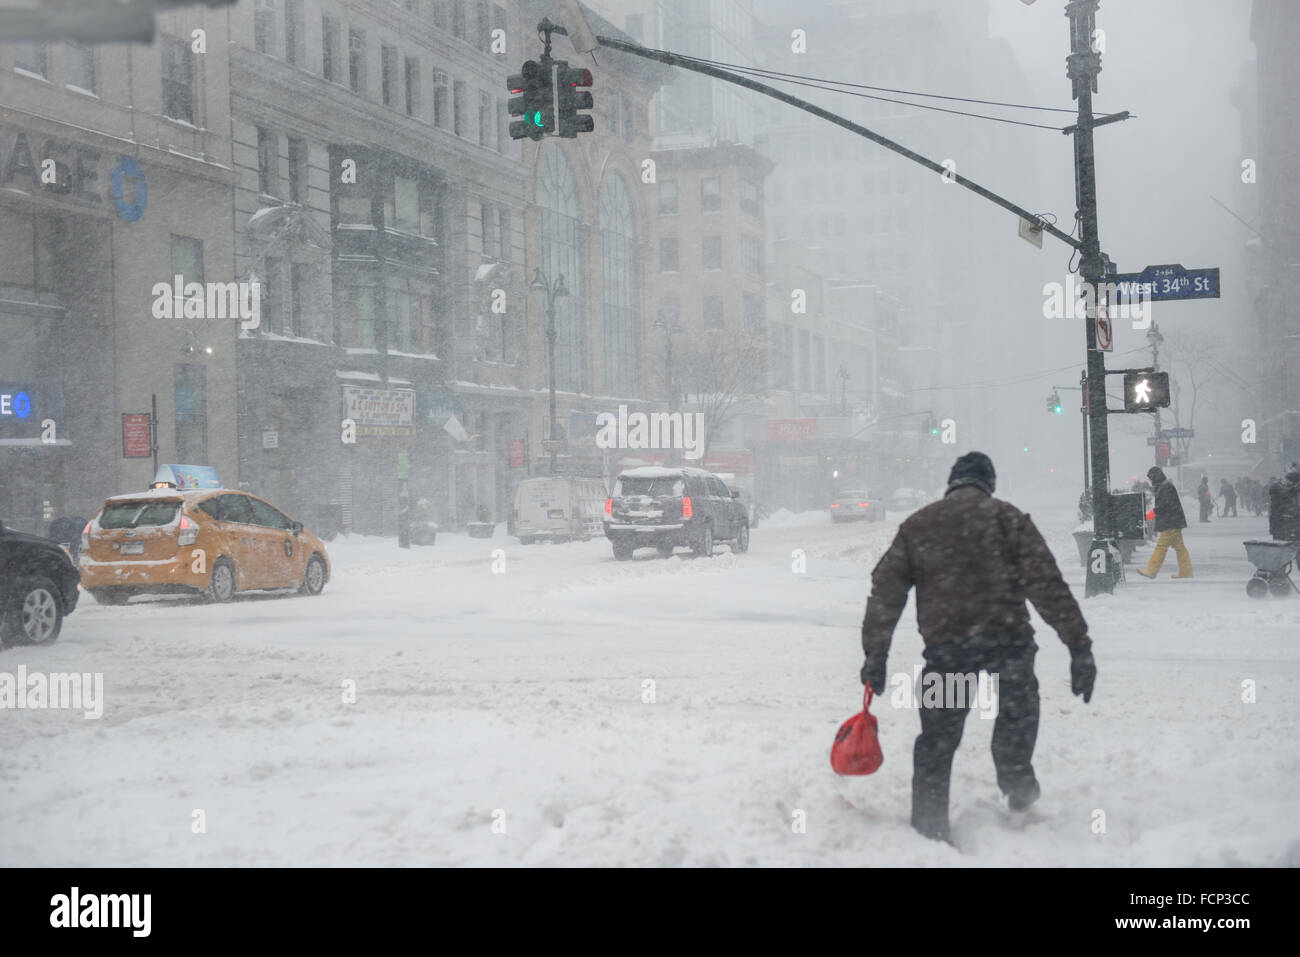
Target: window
(485, 123)
(357, 61)
(331, 60)
(267, 516)
(458, 107)
(440, 19)
(440, 99)
(406, 204)
(753, 306)
(622, 303)
(397, 299)
(458, 26)
(359, 308)
(710, 194)
(268, 163)
(484, 30)
(177, 79)
(713, 314)
(299, 291)
(235, 508)
(783, 351)
(294, 31)
(487, 221)
(503, 127)
(711, 252)
(388, 70)
(79, 66)
(668, 255)
(412, 86)
(273, 308)
(751, 197)
(187, 258)
(190, 408)
(557, 195)
(803, 385)
(264, 27)
(751, 255)
(506, 236)
(819, 363)
(297, 171)
(33, 58)
(668, 197)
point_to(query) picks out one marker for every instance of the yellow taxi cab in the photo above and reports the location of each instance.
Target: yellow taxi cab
(210, 541)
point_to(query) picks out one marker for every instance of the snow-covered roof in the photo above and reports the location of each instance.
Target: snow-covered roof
(164, 494)
(659, 471)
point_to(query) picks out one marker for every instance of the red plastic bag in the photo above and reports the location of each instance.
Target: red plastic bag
(857, 749)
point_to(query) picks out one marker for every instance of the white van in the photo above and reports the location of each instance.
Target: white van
(560, 509)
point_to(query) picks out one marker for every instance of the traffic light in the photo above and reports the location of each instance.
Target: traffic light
(571, 99)
(1054, 403)
(1145, 391)
(532, 102)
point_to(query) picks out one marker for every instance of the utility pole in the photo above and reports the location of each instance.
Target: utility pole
(1155, 338)
(1082, 66)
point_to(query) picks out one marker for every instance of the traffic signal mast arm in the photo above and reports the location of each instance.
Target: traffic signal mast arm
(686, 63)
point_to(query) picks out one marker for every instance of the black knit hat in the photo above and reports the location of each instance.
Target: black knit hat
(973, 468)
(1156, 474)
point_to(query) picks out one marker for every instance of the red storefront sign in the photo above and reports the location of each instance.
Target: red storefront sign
(516, 453)
(1162, 450)
(739, 461)
(791, 430)
(135, 435)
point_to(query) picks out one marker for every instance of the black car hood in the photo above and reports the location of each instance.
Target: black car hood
(13, 535)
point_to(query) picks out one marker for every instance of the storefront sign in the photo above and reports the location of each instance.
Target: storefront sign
(516, 453)
(380, 411)
(135, 435)
(791, 430)
(270, 439)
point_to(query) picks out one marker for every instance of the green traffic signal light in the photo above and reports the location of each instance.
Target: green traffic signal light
(537, 119)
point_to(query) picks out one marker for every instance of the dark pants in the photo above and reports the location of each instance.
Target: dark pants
(1014, 731)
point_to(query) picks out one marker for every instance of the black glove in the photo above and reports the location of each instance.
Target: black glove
(873, 673)
(1083, 672)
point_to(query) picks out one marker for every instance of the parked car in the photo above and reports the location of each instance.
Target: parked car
(667, 507)
(560, 509)
(38, 588)
(213, 542)
(906, 499)
(856, 505)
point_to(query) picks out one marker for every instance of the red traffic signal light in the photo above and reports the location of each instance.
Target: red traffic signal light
(570, 99)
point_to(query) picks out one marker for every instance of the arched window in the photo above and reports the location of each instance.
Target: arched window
(557, 195)
(618, 255)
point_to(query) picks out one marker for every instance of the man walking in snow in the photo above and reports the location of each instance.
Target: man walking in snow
(1284, 506)
(973, 560)
(1170, 522)
(1229, 498)
(1204, 498)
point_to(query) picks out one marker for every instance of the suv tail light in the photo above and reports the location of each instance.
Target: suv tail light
(609, 506)
(864, 504)
(835, 504)
(687, 511)
(85, 536)
(189, 532)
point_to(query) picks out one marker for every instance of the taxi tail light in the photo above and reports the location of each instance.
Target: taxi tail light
(85, 536)
(835, 504)
(609, 506)
(864, 504)
(189, 532)
(687, 510)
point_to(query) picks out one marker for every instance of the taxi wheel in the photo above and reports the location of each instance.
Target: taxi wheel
(313, 579)
(222, 587)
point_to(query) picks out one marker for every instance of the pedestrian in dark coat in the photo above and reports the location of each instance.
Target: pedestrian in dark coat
(1169, 524)
(1229, 495)
(1205, 499)
(973, 560)
(1284, 507)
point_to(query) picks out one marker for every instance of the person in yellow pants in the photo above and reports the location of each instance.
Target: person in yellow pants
(1170, 522)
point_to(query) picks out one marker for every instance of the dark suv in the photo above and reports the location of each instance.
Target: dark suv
(38, 586)
(666, 507)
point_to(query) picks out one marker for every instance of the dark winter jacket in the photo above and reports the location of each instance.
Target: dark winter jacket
(1284, 508)
(973, 559)
(1168, 506)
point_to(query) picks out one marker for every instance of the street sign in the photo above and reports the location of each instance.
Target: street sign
(1152, 440)
(1179, 433)
(136, 438)
(1168, 283)
(1105, 332)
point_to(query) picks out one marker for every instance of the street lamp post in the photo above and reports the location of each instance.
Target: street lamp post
(553, 292)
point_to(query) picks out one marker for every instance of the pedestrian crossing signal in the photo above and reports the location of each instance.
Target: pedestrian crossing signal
(1146, 391)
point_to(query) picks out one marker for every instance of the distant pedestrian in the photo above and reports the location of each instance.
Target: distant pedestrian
(1205, 499)
(1229, 496)
(1170, 522)
(973, 560)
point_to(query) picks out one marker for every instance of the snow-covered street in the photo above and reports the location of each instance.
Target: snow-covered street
(650, 712)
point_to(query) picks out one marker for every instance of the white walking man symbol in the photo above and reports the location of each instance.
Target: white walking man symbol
(1142, 390)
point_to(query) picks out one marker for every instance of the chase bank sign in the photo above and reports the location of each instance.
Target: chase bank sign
(48, 166)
